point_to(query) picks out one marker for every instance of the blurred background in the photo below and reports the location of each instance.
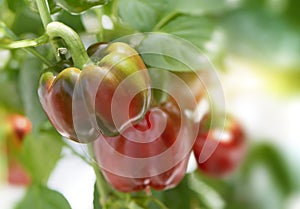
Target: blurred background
(254, 45)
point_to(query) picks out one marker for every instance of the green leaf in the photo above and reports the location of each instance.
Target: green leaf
(221, 186)
(41, 197)
(292, 11)
(207, 195)
(28, 85)
(96, 201)
(264, 181)
(40, 154)
(142, 15)
(15, 5)
(199, 7)
(158, 195)
(260, 36)
(134, 205)
(169, 52)
(73, 21)
(268, 156)
(198, 30)
(26, 22)
(179, 197)
(159, 78)
(9, 96)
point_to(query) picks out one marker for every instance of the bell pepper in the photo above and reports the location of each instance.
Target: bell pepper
(153, 153)
(79, 6)
(227, 146)
(20, 127)
(55, 93)
(96, 86)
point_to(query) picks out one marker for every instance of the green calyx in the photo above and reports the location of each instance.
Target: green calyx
(72, 40)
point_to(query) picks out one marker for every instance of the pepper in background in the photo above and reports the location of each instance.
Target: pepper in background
(230, 144)
(97, 83)
(20, 126)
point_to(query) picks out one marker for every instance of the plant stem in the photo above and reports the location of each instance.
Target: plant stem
(26, 43)
(159, 203)
(99, 14)
(9, 34)
(75, 152)
(38, 55)
(165, 20)
(114, 10)
(72, 40)
(100, 181)
(43, 8)
(44, 12)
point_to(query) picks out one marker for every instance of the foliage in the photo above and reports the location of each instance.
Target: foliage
(265, 33)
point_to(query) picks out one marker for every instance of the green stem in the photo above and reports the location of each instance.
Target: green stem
(99, 14)
(75, 152)
(38, 55)
(100, 181)
(72, 40)
(165, 20)
(115, 7)
(159, 203)
(9, 34)
(26, 43)
(44, 12)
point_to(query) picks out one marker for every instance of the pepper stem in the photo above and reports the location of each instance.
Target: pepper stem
(72, 40)
(44, 12)
(26, 43)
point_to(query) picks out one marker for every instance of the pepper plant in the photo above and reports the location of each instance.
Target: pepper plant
(127, 80)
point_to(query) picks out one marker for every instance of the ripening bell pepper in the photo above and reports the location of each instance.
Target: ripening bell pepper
(117, 78)
(153, 153)
(226, 143)
(123, 95)
(56, 94)
(78, 6)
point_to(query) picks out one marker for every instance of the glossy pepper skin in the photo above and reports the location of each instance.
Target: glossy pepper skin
(96, 86)
(230, 144)
(143, 147)
(117, 103)
(78, 6)
(56, 94)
